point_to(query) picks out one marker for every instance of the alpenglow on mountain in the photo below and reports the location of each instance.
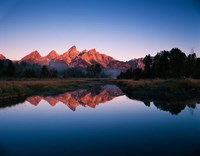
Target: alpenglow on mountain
(73, 58)
(81, 97)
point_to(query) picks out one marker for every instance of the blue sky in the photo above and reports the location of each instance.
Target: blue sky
(124, 29)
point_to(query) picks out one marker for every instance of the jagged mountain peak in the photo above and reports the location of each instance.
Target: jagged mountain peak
(69, 55)
(136, 63)
(35, 52)
(94, 54)
(32, 56)
(73, 50)
(52, 55)
(73, 47)
(84, 51)
(2, 57)
(93, 51)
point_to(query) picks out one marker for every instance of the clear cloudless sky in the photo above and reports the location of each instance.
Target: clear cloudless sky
(124, 29)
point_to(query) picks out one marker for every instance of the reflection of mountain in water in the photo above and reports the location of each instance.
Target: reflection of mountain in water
(101, 94)
(85, 97)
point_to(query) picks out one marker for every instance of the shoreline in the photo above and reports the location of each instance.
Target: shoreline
(167, 90)
(16, 89)
(160, 89)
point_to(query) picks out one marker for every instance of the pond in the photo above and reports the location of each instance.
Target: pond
(99, 121)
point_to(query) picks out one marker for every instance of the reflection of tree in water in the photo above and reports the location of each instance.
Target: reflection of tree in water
(96, 90)
(174, 107)
(11, 102)
(147, 103)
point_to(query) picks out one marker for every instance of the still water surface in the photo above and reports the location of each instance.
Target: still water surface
(99, 121)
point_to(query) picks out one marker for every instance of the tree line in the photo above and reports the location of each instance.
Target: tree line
(166, 64)
(10, 69)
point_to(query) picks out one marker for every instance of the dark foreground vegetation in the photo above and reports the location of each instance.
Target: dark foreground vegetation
(165, 65)
(167, 90)
(168, 95)
(10, 69)
(16, 89)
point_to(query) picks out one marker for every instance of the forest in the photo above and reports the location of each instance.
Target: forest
(166, 64)
(9, 69)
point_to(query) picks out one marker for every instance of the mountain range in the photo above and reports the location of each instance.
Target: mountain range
(73, 58)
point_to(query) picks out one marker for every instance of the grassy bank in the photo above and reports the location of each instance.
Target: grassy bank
(22, 88)
(141, 90)
(160, 89)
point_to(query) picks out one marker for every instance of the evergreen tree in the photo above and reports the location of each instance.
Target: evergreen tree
(197, 69)
(44, 72)
(190, 65)
(29, 73)
(94, 70)
(147, 66)
(178, 59)
(10, 69)
(53, 73)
